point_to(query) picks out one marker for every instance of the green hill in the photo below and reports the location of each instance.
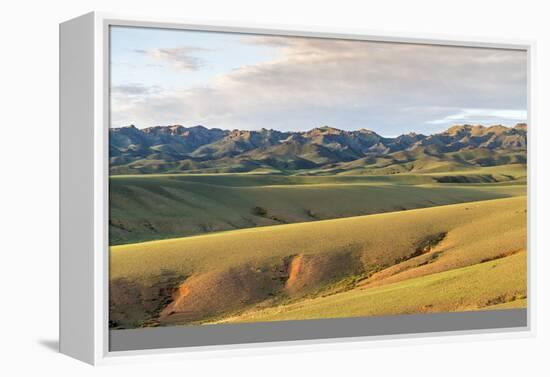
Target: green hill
(148, 207)
(486, 286)
(275, 272)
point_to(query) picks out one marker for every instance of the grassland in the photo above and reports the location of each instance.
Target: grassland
(266, 225)
(418, 162)
(447, 257)
(152, 207)
(440, 292)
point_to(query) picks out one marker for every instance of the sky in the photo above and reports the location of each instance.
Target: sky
(244, 81)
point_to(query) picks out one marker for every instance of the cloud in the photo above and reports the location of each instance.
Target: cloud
(133, 90)
(483, 116)
(388, 87)
(178, 57)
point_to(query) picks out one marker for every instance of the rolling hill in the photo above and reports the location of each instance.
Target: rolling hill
(479, 287)
(447, 258)
(210, 225)
(148, 207)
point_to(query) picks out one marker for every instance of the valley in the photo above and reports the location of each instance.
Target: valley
(200, 235)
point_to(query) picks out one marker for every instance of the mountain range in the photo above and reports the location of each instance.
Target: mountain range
(322, 150)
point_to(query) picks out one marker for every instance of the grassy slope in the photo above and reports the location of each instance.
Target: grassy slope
(382, 236)
(419, 163)
(240, 266)
(517, 171)
(499, 284)
(165, 206)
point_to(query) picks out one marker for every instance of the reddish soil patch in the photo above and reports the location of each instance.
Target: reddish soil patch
(210, 294)
(308, 273)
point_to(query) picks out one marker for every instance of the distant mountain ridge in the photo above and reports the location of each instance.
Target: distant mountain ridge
(322, 150)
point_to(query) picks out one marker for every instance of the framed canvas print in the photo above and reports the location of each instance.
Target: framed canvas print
(224, 185)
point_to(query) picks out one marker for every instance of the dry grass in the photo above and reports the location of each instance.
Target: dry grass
(154, 207)
(252, 266)
(500, 284)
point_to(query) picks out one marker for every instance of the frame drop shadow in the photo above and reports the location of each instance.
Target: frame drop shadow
(51, 344)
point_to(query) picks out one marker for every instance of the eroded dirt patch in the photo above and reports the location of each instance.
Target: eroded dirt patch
(213, 293)
(308, 273)
(138, 304)
(206, 296)
(209, 295)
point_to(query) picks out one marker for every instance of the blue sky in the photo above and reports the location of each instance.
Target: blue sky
(133, 60)
(224, 80)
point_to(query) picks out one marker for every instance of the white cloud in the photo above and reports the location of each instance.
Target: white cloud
(387, 87)
(133, 89)
(178, 57)
(483, 116)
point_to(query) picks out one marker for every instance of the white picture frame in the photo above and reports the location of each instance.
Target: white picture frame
(84, 118)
